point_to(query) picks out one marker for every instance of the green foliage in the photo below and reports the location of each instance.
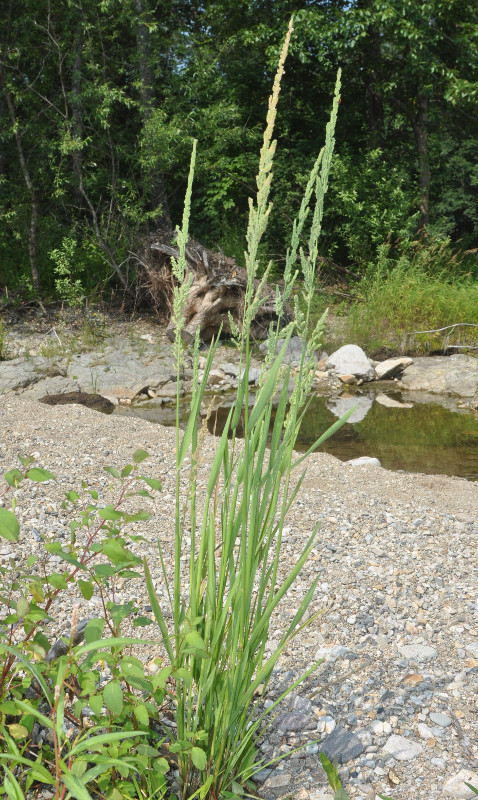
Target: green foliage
(68, 287)
(426, 288)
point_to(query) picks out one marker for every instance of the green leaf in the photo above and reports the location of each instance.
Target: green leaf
(140, 622)
(199, 758)
(109, 513)
(18, 731)
(341, 794)
(94, 630)
(38, 475)
(331, 772)
(142, 716)
(194, 639)
(9, 527)
(113, 697)
(23, 606)
(86, 589)
(183, 675)
(73, 496)
(127, 470)
(113, 471)
(57, 581)
(76, 788)
(153, 483)
(139, 456)
(12, 477)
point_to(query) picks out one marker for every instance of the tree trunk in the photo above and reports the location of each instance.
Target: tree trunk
(421, 141)
(32, 229)
(156, 189)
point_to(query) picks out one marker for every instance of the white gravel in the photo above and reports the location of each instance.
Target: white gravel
(397, 558)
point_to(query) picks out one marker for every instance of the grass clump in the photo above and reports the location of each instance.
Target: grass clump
(224, 587)
(426, 288)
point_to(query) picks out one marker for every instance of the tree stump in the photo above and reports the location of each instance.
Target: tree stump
(217, 289)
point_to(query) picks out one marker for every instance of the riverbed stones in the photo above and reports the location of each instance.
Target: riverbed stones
(456, 374)
(351, 360)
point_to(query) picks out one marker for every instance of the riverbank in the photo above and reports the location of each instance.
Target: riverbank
(397, 557)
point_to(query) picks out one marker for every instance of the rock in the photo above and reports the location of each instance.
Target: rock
(424, 731)
(340, 405)
(456, 374)
(94, 401)
(440, 719)
(351, 360)
(216, 377)
(419, 652)
(253, 375)
(348, 379)
(230, 369)
(472, 648)
(342, 745)
(455, 785)
(401, 748)
(292, 720)
(364, 461)
(293, 352)
(391, 367)
(389, 402)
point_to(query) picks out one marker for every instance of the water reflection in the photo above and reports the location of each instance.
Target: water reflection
(415, 437)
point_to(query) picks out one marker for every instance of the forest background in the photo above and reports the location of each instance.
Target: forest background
(100, 101)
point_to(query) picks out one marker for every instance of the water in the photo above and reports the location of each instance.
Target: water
(425, 438)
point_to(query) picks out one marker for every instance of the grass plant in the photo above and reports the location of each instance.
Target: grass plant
(221, 604)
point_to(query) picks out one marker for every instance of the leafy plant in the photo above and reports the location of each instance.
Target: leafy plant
(69, 288)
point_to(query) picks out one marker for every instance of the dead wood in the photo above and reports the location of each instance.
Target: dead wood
(217, 289)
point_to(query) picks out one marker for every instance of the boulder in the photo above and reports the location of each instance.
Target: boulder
(293, 352)
(351, 360)
(364, 461)
(391, 367)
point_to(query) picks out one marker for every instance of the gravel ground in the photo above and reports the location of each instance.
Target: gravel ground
(396, 698)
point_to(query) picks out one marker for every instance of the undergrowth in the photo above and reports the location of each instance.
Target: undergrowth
(426, 288)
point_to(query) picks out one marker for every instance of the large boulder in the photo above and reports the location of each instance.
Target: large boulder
(457, 374)
(351, 360)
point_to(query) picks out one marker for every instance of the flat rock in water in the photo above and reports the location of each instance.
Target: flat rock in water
(351, 360)
(457, 374)
(342, 745)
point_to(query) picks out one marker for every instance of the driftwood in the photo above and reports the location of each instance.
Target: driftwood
(217, 289)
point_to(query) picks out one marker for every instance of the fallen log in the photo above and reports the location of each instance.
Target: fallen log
(217, 289)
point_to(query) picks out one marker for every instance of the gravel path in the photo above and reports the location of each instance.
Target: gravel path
(397, 558)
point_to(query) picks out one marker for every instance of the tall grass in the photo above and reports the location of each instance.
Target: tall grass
(425, 288)
(222, 607)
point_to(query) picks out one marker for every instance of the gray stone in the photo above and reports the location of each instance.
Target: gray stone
(340, 405)
(292, 720)
(457, 374)
(440, 719)
(351, 360)
(342, 745)
(230, 369)
(472, 647)
(391, 367)
(401, 748)
(420, 652)
(364, 461)
(454, 786)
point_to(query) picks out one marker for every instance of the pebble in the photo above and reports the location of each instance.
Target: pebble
(455, 785)
(342, 745)
(440, 719)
